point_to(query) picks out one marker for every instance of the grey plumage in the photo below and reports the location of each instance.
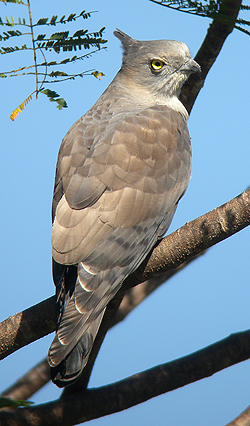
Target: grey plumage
(121, 171)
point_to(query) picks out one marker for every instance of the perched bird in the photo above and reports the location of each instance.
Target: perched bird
(121, 170)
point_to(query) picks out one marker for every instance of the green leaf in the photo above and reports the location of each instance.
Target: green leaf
(4, 50)
(80, 33)
(62, 35)
(214, 9)
(8, 34)
(73, 43)
(85, 15)
(53, 20)
(61, 103)
(50, 93)
(62, 20)
(51, 63)
(58, 74)
(42, 21)
(54, 97)
(40, 37)
(8, 402)
(71, 17)
(242, 30)
(65, 61)
(14, 1)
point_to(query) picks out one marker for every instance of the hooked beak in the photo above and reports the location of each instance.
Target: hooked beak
(191, 67)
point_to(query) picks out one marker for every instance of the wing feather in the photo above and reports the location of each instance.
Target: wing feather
(117, 185)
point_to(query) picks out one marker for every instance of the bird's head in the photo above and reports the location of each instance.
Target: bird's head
(160, 67)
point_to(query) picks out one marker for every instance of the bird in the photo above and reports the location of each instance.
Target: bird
(121, 170)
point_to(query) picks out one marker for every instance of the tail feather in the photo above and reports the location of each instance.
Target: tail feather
(70, 368)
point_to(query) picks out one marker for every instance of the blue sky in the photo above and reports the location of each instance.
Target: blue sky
(202, 304)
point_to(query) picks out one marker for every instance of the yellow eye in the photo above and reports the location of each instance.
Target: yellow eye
(156, 64)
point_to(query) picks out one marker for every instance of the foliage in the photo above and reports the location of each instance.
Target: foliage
(8, 402)
(214, 9)
(46, 43)
(54, 97)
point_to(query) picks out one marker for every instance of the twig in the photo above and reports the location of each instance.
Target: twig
(33, 44)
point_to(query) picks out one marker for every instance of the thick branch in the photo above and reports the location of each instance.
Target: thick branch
(210, 49)
(25, 327)
(13, 332)
(178, 247)
(135, 295)
(182, 245)
(198, 235)
(242, 420)
(20, 329)
(114, 314)
(98, 402)
(39, 375)
(30, 383)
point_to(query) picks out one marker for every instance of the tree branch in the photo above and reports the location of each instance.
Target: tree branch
(20, 329)
(98, 402)
(242, 420)
(216, 35)
(178, 247)
(30, 383)
(135, 295)
(184, 244)
(25, 327)
(39, 375)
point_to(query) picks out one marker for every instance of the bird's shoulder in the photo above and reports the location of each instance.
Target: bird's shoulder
(113, 147)
(105, 125)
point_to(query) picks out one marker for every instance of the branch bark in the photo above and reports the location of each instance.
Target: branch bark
(20, 329)
(98, 402)
(30, 383)
(182, 245)
(217, 33)
(39, 375)
(27, 326)
(242, 420)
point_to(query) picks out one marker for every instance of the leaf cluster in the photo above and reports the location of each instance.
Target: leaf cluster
(45, 43)
(214, 9)
(12, 403)
(62, 40)
(63, 20)
(54, 97)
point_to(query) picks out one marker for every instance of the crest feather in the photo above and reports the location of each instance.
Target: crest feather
(125, 39)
